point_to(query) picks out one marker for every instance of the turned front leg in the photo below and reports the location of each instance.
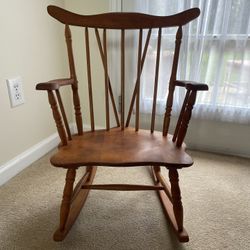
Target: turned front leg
(176, 198)
(67, 195)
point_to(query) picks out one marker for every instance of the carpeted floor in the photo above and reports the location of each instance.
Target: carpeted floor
(216, 198)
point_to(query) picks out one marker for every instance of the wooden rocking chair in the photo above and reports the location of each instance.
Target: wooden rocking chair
(121, 145)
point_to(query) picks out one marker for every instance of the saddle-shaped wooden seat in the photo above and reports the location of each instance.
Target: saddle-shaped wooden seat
(121, 148)
(120, 145)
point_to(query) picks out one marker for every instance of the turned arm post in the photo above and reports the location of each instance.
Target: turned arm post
(185, 118)
(186, 110)
(57, 117)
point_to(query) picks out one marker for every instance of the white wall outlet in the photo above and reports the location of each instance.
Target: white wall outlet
(15, 88)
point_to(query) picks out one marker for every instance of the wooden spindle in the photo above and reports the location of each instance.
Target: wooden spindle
(57, 118)
(181, 116)
(76, 99)
(65, 120)
(186, 118)
(91, 106)
(77, 107)
(109, 83)
(176, 198)
(135, 88)
(68, 38)
(156, 80)
(122, 78)
(171, 82)
(106, 78)
(122, 187)
(138, 82)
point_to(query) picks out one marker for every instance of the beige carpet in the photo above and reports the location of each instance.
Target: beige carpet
(216, 198)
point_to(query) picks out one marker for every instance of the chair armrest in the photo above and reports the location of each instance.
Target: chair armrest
(54, 84)
(196, 86)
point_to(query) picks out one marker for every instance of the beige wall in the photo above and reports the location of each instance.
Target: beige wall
(30, 47)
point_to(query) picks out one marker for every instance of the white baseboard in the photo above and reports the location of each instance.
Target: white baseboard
(216, 150)
(23, 160)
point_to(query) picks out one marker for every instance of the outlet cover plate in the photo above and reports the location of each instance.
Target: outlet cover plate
(15, 88)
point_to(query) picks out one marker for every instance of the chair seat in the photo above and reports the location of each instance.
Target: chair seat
(121, 148)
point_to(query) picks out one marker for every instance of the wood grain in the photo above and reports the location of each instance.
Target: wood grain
(186, 118)
(167, 204)
(67, 195)
(91, 106)
(137, 112)
(76, 99)
(122, 78)
(156, 80)
(138, 79)
(121, 187)
(171, 86)
(178, 125)
(123, 20)
(106, 76)
(176, 198)
(109, 83)
(65, 120)
(54, 84)
(75, 208)
(121, 148)
(57, 118)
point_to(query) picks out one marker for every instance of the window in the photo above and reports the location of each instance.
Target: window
(215, 50)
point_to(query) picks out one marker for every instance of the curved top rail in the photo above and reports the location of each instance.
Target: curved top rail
(123, 20)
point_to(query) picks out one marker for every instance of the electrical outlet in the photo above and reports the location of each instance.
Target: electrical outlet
(15, 88)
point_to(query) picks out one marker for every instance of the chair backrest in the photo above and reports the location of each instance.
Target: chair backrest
(123, 22)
